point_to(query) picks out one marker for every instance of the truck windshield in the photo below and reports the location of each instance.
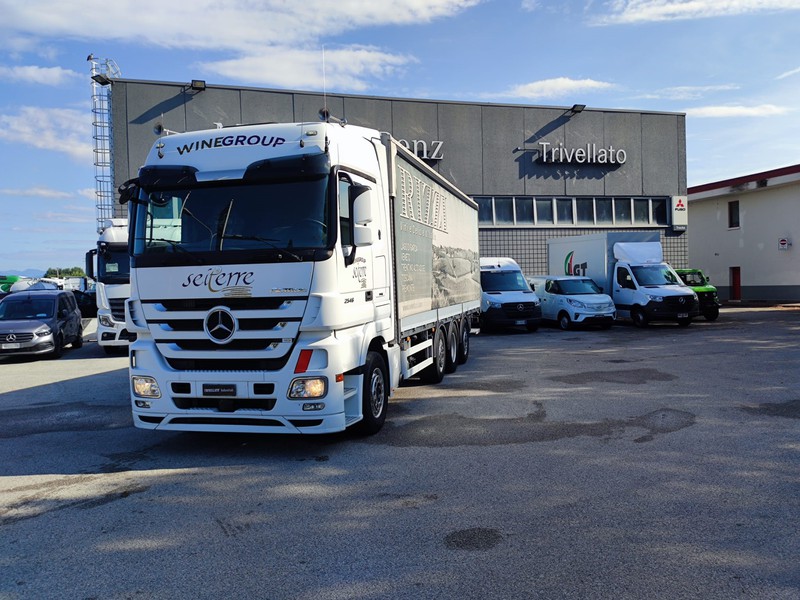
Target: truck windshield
(504, 281)
(651, 275)
(113, 265)
(249, 217)
(578, 286)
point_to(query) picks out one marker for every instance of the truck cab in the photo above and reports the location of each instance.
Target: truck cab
(572, 300)
(507, 299)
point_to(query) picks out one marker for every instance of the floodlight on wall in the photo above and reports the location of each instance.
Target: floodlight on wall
(576, 108)
(198, 85)
(101, 79)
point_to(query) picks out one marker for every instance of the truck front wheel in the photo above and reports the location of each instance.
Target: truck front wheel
(375, 395)
(435, 372)
(638, 317)
(711, 314)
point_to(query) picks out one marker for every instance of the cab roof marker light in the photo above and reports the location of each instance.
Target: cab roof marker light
(303, 360)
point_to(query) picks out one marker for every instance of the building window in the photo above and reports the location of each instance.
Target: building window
(733, 214)
(544, 211)
(622, 211)
(485, 216)
(584, 211)
(503, 211)
(527, 211)
(523, 209)
(564, 211)
(641, 211)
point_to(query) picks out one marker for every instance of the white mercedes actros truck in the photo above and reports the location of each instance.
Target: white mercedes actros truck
(113, 286)
(287, 277)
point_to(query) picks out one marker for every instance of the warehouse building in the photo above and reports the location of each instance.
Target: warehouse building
(536, 172)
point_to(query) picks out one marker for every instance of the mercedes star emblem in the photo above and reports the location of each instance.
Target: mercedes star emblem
(220, 325)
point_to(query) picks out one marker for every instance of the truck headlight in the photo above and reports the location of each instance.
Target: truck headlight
(145, 387)
(105, 321)
(655, 298)
(43, 332)
(308, 387)
(490, 304)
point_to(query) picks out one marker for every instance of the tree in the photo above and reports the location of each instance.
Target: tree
(65, 272)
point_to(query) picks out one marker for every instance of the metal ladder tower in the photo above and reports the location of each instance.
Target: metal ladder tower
(102, 73)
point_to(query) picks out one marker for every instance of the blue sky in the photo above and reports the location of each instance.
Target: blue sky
(733, 66)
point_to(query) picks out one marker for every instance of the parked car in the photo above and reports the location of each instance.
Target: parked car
(39, 322)
(571, 300)
(506, 298)
(706, 293)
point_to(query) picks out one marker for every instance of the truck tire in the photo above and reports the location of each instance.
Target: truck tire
(374, 396)
(711, 314)
(451, 361)
(463, 341)
(638, 317)
(435, 372)
(564, 322)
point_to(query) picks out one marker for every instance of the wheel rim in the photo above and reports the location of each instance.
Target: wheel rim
(564, 322)
(453, 337)
(441, 352)
(377, 392)
(465, 338)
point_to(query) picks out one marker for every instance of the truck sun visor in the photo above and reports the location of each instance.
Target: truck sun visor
(304, 166)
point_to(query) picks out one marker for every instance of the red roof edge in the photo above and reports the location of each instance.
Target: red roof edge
(744, 179)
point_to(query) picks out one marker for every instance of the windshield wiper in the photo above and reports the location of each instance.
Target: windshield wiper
(268, 241)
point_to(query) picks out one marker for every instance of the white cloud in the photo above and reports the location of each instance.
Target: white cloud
(56, 129)
(36, 192)
(558, 87)
(52, 76)
(761, 110)
(266, 42)
(647, 11)
(690, 92)
(788, 73)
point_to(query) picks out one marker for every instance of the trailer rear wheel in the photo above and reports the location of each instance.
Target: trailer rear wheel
(451, 363)
(435, 372)
(463, 341)
(374, 397)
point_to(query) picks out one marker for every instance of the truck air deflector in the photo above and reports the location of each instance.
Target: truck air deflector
(304, 166)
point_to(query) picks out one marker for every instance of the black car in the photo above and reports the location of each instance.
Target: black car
(39, 322)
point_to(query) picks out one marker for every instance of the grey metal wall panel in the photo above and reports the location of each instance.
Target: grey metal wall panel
(543, 124)
(119, 152)
(366, 112)
(149, 105)
(463, 153)
(210, 106)
(502, 168)
(580, 130)
(267, 107)
(415, 120)
(681, 158)
(307, 106)
(624, 130)
(660, 155)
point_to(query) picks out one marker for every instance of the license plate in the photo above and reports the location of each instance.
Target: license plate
(219, 389)
(520, 322)
(683, 315)
(11, 346)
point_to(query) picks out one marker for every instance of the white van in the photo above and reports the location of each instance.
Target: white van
(506, 298)
(571, 299)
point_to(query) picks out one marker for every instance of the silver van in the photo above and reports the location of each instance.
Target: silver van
(39, 322)
(570, 300)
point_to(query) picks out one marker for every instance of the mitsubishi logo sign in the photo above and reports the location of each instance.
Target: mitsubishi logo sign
(220, 325)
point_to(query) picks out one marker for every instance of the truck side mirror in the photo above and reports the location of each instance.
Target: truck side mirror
(361, 198)
(362, 236)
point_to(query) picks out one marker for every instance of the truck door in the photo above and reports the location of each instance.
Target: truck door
(624, 289)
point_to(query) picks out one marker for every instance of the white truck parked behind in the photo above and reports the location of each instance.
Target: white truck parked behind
(630, 267)
(113, 286)
(286, 277)
(506, 298)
